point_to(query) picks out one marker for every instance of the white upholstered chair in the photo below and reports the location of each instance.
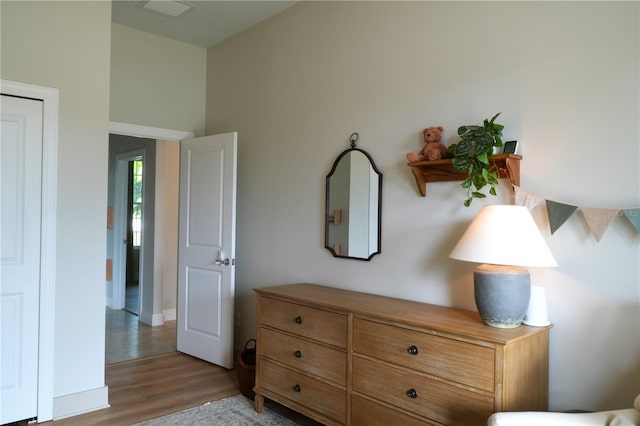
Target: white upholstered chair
(625, 417)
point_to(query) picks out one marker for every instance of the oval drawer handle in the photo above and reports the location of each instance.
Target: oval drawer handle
(298, 320)
(413, 350)
(297, 388)
(412, 393)
(297, 354)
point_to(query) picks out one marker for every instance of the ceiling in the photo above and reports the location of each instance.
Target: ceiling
(207, 23)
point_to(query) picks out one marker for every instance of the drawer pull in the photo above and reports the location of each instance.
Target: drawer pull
(297, 388)
(298, 320)
(413, 350)
(412, 393)
(297, 354)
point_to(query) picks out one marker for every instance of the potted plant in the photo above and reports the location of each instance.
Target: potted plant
(473, 155)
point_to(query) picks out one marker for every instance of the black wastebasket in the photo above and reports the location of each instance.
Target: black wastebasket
(247, 369)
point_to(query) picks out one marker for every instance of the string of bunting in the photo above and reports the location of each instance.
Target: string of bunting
(598, 219)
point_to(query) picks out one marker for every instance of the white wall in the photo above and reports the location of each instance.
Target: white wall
(161, 83)
(166, 241)
(66, 45)
(156, 81)
(565, 77)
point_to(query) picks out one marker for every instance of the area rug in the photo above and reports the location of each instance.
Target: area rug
(233, 411)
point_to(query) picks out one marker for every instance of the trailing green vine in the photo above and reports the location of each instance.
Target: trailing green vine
(473, 154)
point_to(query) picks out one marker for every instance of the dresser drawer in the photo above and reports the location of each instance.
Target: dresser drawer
(324, 326)
(321, 397)
(431, 398)
(367, 413)
(313, 358)
(451, 359)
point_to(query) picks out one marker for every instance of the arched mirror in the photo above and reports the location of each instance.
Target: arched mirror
(353, 205)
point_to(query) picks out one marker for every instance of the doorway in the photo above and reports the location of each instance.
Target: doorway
(126, 195)
(153, 332)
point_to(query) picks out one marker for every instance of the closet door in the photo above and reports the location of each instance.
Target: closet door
(21, 165)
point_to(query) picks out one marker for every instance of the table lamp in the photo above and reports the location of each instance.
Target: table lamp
(505, 240)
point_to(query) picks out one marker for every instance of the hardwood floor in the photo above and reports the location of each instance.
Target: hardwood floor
(132, 298)
(147, 388)
(147, 378)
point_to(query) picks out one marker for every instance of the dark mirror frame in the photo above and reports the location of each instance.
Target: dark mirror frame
(327, 218)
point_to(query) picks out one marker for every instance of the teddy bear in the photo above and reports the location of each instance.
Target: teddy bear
(433, 149)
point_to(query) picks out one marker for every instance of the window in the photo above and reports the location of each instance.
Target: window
(136, 204)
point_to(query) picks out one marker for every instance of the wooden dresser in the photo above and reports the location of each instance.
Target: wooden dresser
(342, 357)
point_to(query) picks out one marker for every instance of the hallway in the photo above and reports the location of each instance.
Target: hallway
(127, 339)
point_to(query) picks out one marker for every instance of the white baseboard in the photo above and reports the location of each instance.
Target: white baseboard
(80, 403)
(151, 319)
(110, 302)
(157, 319)
(169, 314)
(145, 318)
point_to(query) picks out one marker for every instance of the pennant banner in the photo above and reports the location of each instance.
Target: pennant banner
(558, 213)
(526, 198)
(598, 219)
(634, 217)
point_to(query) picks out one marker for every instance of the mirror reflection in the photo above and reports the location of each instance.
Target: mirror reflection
(353, 201)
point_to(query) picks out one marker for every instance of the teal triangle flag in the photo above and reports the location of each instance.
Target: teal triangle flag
(558, 214)
(634, 217)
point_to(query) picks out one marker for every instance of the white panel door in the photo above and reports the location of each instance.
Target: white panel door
(21, 162)
(206, 259)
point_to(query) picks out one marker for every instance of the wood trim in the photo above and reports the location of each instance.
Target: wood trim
(109, 276)
(442, 171)
(110, 217)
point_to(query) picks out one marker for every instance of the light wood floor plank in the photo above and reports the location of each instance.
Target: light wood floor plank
(147, 388)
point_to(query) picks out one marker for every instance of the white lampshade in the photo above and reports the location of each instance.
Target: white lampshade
(504, 235)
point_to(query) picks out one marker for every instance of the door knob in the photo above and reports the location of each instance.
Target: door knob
(221, 260)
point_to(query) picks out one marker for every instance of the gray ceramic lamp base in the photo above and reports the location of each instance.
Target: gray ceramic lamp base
(502, 294)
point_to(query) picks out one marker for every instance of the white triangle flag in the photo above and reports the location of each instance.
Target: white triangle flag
(526, 198)
(598, 219)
